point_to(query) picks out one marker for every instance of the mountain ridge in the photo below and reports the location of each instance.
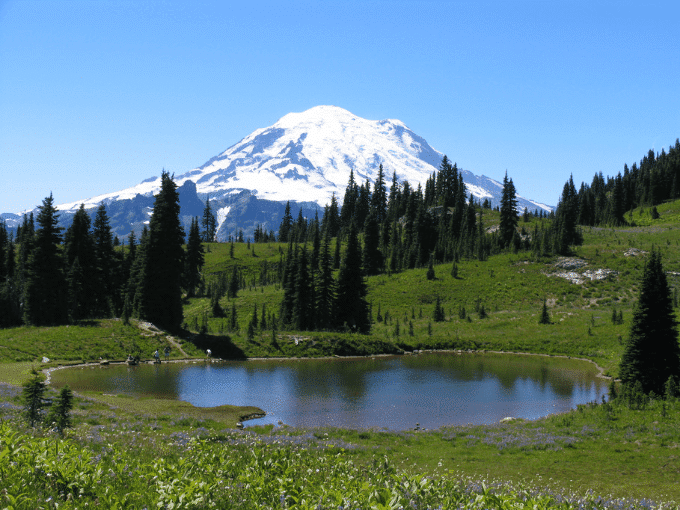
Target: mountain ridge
(304, 158)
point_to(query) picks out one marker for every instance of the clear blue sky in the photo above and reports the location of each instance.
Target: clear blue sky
(96, 96)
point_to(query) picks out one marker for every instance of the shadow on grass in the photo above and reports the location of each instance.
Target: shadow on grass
(220, 345)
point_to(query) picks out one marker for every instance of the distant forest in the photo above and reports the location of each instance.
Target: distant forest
(604, 202)
(49, 278)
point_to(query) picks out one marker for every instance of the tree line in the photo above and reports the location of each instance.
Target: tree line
(49, 279)
(605, 201)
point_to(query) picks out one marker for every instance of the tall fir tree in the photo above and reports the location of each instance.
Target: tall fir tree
(379, 197)
(82, 281)
(194, 259)
(107, 297)
(352, 307)
(509, 216)
(209, 223)
(325, 287)
(286, 225)
(303, 305)
(161, 301)
(372, 258)
(652, 353)
(44, 292)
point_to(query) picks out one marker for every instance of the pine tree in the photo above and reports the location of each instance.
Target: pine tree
(303, 306)
(194, 260)
(33, 398)
(325, 285)
(82, 281)
(545, 316)
(509, 217)
(44, 293)
(430, 269)
(161, 301)
(60, 411)
(105, 264)
(652, 353)
(352, 307)
(286, 225)
(208, 222)
(233, 318)
(372, 257)
(379, 197)
(438, 315)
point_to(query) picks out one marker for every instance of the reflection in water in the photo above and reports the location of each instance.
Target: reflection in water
(432, 389)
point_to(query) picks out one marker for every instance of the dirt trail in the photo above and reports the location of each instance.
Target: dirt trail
(152, 330)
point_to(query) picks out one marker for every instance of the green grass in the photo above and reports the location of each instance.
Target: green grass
(153, 455)
(611, 450)
(84, 341)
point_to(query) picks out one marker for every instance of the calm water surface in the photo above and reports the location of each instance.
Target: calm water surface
(432, 389)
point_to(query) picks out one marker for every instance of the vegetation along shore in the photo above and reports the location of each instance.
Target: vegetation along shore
(390, 273)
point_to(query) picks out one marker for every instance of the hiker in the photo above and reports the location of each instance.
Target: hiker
(167, 352)
(209, 353)
(156, 356)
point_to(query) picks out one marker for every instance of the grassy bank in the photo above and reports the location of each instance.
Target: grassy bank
(152, 452)
(598, 456)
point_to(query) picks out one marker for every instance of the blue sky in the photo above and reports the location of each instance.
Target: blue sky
(96, 96)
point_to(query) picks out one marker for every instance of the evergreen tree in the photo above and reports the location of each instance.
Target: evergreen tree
(352, 307)
(194, 259)
(379, 198)
(509, 217)
(286, 225)
(302, 303)
(33, 399)
(161, 299)
(234, 283)
(60, 411)
(209, 223)
(44, 293)
(430, 269)
(372, 257)
(105, 264)
(82, 281)
(135, 286)
(233, 318)
(438, 315)
(325, 285)
(545, 316)
(652, 353)
(349, 202)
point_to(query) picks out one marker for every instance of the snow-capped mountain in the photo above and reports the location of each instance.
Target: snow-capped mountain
(304, 158)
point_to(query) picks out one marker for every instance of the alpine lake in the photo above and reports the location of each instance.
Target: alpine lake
(391, 392)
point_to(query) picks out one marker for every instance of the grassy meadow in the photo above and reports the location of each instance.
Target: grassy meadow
(170, 455)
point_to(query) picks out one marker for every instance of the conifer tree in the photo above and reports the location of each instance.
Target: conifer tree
(33, 398)
(82, 281)
(439, 314)
(286, 225)
(60, 411)
(509, 217)
(372, 257)
(44, 293)
(545, 316)
(379, 197)
(303, 305)
(194, 259)
(349, 202)
(325, 285)
(652, 353)
(105, 264)
(164, 260)
(430, 269)
(352, 307)
(209, 223)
